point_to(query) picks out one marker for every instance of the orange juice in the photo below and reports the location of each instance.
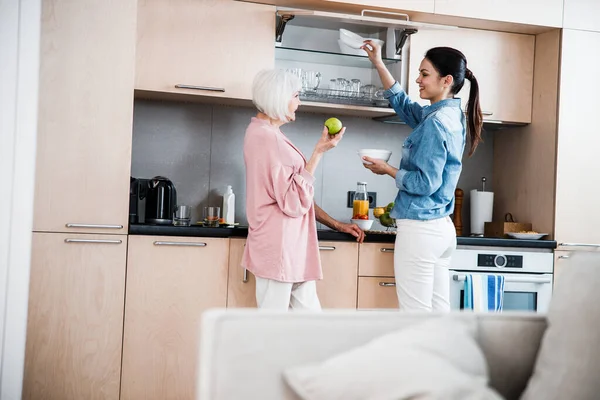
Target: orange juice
(360, 207)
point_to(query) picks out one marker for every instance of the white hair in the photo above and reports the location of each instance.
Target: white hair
(272, 91)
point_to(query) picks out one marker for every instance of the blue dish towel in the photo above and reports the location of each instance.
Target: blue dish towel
(483, 293)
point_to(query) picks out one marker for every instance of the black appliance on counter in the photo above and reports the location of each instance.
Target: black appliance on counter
(152, 201)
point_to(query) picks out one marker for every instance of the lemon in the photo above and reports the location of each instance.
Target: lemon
(378, 211)
(333, 125)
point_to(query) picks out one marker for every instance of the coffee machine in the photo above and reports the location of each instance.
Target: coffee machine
(152, 201)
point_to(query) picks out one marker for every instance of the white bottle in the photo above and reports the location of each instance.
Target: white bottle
(229, 206)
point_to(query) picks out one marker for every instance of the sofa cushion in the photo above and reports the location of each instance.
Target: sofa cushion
(568, 361)
(437, 359)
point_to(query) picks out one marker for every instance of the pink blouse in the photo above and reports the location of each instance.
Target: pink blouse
(282, 236)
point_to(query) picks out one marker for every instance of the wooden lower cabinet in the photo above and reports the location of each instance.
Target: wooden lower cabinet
(170, 282)
(337, 289)
(241, 284)
(376, 259)
(376, 283)
(75, 317)
(376, 292)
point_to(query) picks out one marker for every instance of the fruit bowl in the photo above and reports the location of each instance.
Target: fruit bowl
(364, 224)
(374, 153)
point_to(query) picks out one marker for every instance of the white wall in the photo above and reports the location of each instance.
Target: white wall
(19, 63)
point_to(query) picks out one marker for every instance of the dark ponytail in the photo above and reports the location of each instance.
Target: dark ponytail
(449, 61)
(474, 116)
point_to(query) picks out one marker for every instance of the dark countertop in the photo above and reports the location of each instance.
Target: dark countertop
(242, 231)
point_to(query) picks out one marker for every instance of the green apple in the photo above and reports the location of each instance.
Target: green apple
(333, 125)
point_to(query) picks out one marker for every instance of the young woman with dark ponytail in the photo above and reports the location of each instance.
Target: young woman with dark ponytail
(429, 170)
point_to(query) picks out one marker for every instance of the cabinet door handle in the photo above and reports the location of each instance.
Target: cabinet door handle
(194, 244)
(579, 244)
(245, 277)
(326, 248)
(387, 284)
(563, 257)
(386, 250)
(107, 241)
(95, 226)
(362, 13)
(488, 113)
(208, 88)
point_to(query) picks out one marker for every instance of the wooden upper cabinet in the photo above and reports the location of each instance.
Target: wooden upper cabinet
(350, 6)
(533, 12)
(407, 5)
(75, 316)
(87, 65)
(215, 46)
(577, 166)
(582, 14)
(170, 282)
(338, 288)
(501, 62)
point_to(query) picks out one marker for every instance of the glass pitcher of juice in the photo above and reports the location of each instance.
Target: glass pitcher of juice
(360, 203)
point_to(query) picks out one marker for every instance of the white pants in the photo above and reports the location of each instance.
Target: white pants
(422, 257)
(275, 295)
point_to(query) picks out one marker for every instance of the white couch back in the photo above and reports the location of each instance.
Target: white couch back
(244, 351)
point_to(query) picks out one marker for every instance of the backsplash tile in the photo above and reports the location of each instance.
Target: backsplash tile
(200, 148)
(173, 140)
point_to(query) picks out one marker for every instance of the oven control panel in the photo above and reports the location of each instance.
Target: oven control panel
(499, 261)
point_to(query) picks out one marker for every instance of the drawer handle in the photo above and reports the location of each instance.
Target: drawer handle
(387, 284)
(488, 113)
(245, 277)
(194, 244)
(386, 250)
(563, 257)
(209, 88)
(96, 226)
(327, 248)
(579, 244)
(462, 278)
(108, 241)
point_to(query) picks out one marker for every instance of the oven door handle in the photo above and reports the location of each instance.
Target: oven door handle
(462, 278)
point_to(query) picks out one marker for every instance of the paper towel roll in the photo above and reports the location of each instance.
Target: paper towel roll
(482, 206)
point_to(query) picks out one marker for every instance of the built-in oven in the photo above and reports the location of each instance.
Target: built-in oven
(527, 275)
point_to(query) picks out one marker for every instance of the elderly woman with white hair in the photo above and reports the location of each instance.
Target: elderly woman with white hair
(282, 250)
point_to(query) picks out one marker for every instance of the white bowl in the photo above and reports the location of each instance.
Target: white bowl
(364, 224)
(345, 49)
(355, 41)
(374, 153)
(351, 39)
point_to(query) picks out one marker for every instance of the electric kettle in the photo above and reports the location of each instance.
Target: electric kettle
(161, 201)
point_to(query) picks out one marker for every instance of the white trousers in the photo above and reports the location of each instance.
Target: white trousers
(275, 295)
(422, 257)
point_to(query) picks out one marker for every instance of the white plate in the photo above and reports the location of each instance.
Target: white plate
(530, 236)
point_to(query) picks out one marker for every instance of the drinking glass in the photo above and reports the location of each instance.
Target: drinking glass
(211, 216)
(311, 80)
(182, 216)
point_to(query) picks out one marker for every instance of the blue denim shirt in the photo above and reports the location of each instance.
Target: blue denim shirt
(431, 156)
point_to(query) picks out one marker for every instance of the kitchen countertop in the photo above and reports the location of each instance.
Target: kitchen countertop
(326, 234)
